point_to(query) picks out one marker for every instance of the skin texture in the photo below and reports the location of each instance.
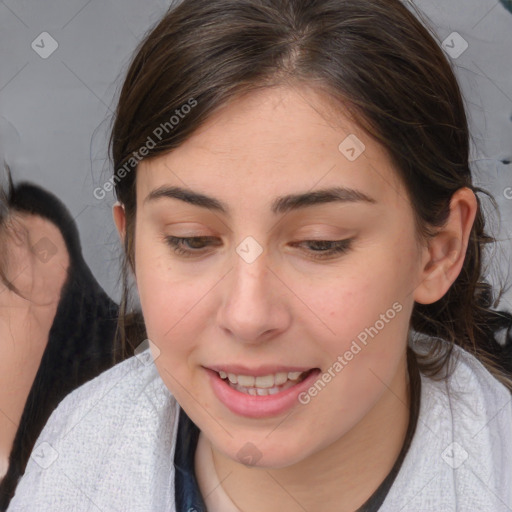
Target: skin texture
(287, 307)
(25, 322)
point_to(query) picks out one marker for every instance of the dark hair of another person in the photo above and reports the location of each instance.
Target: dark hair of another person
(81, 339)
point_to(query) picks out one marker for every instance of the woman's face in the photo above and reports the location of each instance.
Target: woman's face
(36, 261)
(264, 294)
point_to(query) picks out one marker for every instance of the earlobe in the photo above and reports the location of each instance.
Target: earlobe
(446, 251)
(119, 216)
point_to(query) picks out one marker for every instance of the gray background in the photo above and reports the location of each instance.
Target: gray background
(55, 112)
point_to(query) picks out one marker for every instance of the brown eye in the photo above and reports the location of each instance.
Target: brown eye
(322, 249)
(188, 246)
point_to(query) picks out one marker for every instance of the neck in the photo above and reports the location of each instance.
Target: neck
(22, 346)
(345, 473)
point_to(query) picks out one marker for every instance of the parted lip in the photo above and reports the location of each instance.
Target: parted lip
(258, 371)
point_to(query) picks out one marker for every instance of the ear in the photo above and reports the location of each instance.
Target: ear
(444, 256)
(119, 215)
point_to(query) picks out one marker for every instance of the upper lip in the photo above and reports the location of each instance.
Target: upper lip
(237, 369)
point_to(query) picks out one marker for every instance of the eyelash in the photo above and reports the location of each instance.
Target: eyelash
(340, 246)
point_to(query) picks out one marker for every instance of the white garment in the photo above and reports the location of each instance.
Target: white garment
(109, 446)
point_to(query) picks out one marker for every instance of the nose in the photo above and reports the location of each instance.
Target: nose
(254, 307)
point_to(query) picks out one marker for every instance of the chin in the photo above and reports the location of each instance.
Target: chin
(267, 454)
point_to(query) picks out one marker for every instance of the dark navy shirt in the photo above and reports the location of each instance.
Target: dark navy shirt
(188, 496)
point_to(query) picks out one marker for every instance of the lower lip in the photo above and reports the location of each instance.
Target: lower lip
(258, 406)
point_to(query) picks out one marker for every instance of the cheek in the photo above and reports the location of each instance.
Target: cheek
(348, 303)
(163, 299)
(173, 303)
(167, 306)
(168, 310)
(361, 359)
(363, 329)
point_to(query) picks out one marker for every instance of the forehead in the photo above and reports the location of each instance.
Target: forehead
(282, 138)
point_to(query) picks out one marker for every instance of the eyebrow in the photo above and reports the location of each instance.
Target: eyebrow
(280, 205)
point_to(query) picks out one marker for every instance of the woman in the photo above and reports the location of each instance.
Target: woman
(297, 210)
(57, 325)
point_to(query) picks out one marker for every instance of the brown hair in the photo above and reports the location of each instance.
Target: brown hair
(375, 58)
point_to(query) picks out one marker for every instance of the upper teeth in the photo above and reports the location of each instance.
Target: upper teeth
(262, 381)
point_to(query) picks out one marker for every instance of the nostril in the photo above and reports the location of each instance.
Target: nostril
(506, 161)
